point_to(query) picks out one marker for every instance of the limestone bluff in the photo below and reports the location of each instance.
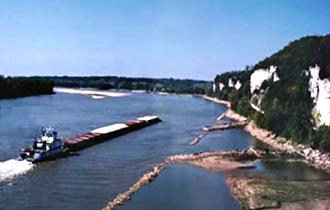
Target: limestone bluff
(287, 92)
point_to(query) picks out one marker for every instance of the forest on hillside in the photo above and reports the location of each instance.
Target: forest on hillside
(286, 103)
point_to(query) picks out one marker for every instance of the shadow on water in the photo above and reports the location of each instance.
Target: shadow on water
(287, 168)
(292, 170)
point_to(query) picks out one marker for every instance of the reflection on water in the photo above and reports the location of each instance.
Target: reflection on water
(184, 187)
(297, 170)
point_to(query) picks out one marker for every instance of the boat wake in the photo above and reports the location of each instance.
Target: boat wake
(11, 168)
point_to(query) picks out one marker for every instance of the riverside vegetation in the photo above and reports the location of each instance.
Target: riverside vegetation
(12, 87)
(282, 105)
(286, 104)
(170, 85)
(24, 86)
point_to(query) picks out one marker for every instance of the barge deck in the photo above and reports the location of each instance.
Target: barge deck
(106, 133)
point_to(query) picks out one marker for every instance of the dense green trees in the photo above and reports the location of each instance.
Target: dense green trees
(322, 138)
(24, 86)
(286, 103)
(21, 86)
(325, 57)
(288, 108)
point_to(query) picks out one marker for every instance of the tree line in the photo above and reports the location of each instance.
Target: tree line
(24, 86)
(170, 85)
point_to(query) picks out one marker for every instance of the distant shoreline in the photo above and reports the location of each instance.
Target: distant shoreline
(11, 87)
(101, 94)
(162, 85)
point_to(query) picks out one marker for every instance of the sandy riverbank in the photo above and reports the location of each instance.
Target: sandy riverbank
(95, 94)
(216, 100)
(263, 193)
(218, 160)
(101, 94)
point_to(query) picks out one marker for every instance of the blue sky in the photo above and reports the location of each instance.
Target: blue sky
(152, 38)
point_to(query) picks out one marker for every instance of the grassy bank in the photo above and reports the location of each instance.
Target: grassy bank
(261, 193)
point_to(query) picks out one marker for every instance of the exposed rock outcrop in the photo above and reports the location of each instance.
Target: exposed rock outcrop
(320, 93)
(261, 75)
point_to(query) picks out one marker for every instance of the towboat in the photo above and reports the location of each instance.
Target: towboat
(47, 146)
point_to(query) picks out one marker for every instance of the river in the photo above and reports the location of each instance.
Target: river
(96, 175)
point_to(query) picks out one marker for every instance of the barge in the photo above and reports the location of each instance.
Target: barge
(102, 134)
(48, 146)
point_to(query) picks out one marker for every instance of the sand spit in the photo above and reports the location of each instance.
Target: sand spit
(218, 164)
(216, 100)
(95, 94)
(232, 155)
(234, 116)
(213, 161)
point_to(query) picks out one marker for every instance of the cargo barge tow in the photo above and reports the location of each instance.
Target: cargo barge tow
(42, 149)
(108, 132)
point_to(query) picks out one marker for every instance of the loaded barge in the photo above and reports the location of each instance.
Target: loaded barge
(48, 146)
(108, 132)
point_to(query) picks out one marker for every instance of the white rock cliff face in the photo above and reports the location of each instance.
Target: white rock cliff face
(221, 86)
(256, 80)
(320, 93)
(231, 83)
(261, 75)
(238, 85)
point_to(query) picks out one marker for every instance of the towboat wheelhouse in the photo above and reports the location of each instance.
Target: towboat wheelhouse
(47, 146)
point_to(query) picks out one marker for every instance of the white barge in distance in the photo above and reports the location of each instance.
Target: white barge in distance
(106, 133)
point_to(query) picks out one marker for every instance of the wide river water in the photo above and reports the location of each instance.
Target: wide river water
(95, 176)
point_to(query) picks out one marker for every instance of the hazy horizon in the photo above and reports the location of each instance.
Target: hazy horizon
(157, 39)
